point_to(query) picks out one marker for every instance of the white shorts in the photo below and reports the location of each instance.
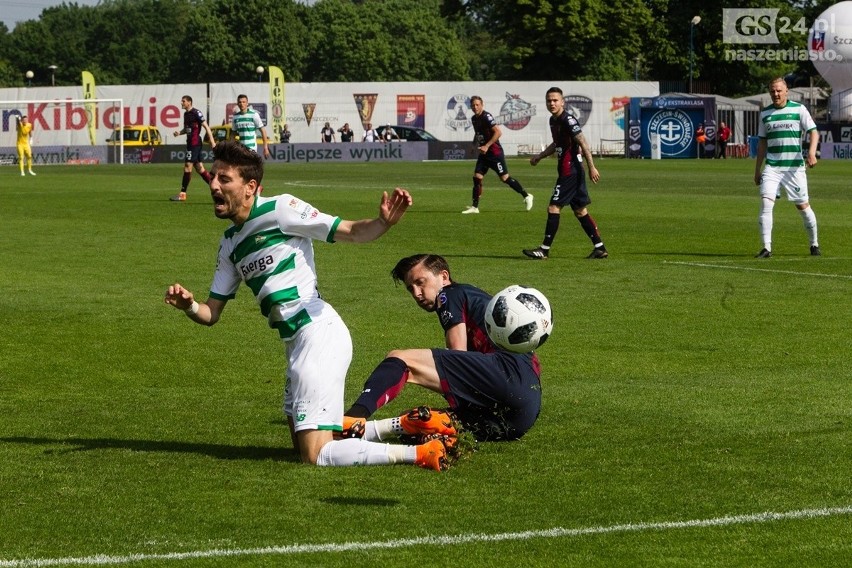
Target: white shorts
(795, 182)
(318, 360)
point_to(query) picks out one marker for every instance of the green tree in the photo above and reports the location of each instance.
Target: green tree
(161, 41)
(373, 40)
(228, 39)
(9, 75)
(714, 65)
(570, 40)
(124, 41)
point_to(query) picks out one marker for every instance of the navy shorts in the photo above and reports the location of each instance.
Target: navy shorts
(193, 154)
(571, 190)
(485, 162)
(496, 396)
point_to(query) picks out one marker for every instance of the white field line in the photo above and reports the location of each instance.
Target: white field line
(730, 267)
(441, 540)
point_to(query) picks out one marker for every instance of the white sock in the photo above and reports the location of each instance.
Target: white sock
(764, 221)
(357, 451)
(809, 219)
(353, 451)
(381, 430)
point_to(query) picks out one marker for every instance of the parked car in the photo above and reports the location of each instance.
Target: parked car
(409, 133)
(224, 132)
(136, 135)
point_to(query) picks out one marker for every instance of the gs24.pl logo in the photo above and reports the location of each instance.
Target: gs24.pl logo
(763, 25)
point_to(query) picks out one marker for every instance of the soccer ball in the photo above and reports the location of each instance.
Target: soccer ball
(518, 319)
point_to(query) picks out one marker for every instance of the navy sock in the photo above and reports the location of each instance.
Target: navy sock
(591, 229)
(550, 229)
(516, 185)
(476, 192)
(382, 386)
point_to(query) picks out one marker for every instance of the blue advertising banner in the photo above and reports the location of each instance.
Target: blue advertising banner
(677, 121)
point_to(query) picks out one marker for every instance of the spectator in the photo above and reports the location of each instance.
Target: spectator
(285, 134)
(389, 134)
(327, 134)
(724, 137)
(370, 134)
(346, 133)
(701, 139)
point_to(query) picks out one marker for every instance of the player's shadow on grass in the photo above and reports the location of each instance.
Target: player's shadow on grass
(218, 451)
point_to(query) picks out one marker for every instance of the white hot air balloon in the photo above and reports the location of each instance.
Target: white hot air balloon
(830, 49)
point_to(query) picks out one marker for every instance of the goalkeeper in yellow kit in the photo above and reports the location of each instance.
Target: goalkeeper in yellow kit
(25, 152)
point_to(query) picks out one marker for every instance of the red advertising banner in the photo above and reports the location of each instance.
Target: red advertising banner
(411, 110)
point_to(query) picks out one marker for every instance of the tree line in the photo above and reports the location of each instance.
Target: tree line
(200, 41)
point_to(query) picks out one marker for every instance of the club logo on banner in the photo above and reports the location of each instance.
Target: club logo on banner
(515, 112)
(308, 109)
(459, 113)
(674, 129)
(365, 103)
(411, 110)
(616, 111)
(579, 106)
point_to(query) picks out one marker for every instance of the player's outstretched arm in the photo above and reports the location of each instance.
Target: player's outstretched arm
(391, 210)
(205, 313)
(393, 207)
(551, 148)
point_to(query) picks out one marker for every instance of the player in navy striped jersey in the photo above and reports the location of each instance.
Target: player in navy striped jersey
(194, 125)
(491, 157)
(780, 143)
(495, 394)
(570, 189)
(269, 247)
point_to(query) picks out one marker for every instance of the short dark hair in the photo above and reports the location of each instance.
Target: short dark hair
(475, 98)
(553, 90)
(188, 98)
(248, 162)
(434, 263)
(242, 97)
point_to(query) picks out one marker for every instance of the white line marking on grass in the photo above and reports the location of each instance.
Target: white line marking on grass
(729, 267)
(441, 540)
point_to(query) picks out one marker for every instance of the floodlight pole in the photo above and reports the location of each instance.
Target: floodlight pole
(694, 22)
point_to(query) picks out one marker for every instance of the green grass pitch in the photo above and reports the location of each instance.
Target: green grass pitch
(688, 388)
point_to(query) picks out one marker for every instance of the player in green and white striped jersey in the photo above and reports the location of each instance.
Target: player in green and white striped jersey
(246, 123)
(780, 144)
(269, 247)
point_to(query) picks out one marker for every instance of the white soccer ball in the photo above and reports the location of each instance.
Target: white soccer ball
(519, 319)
